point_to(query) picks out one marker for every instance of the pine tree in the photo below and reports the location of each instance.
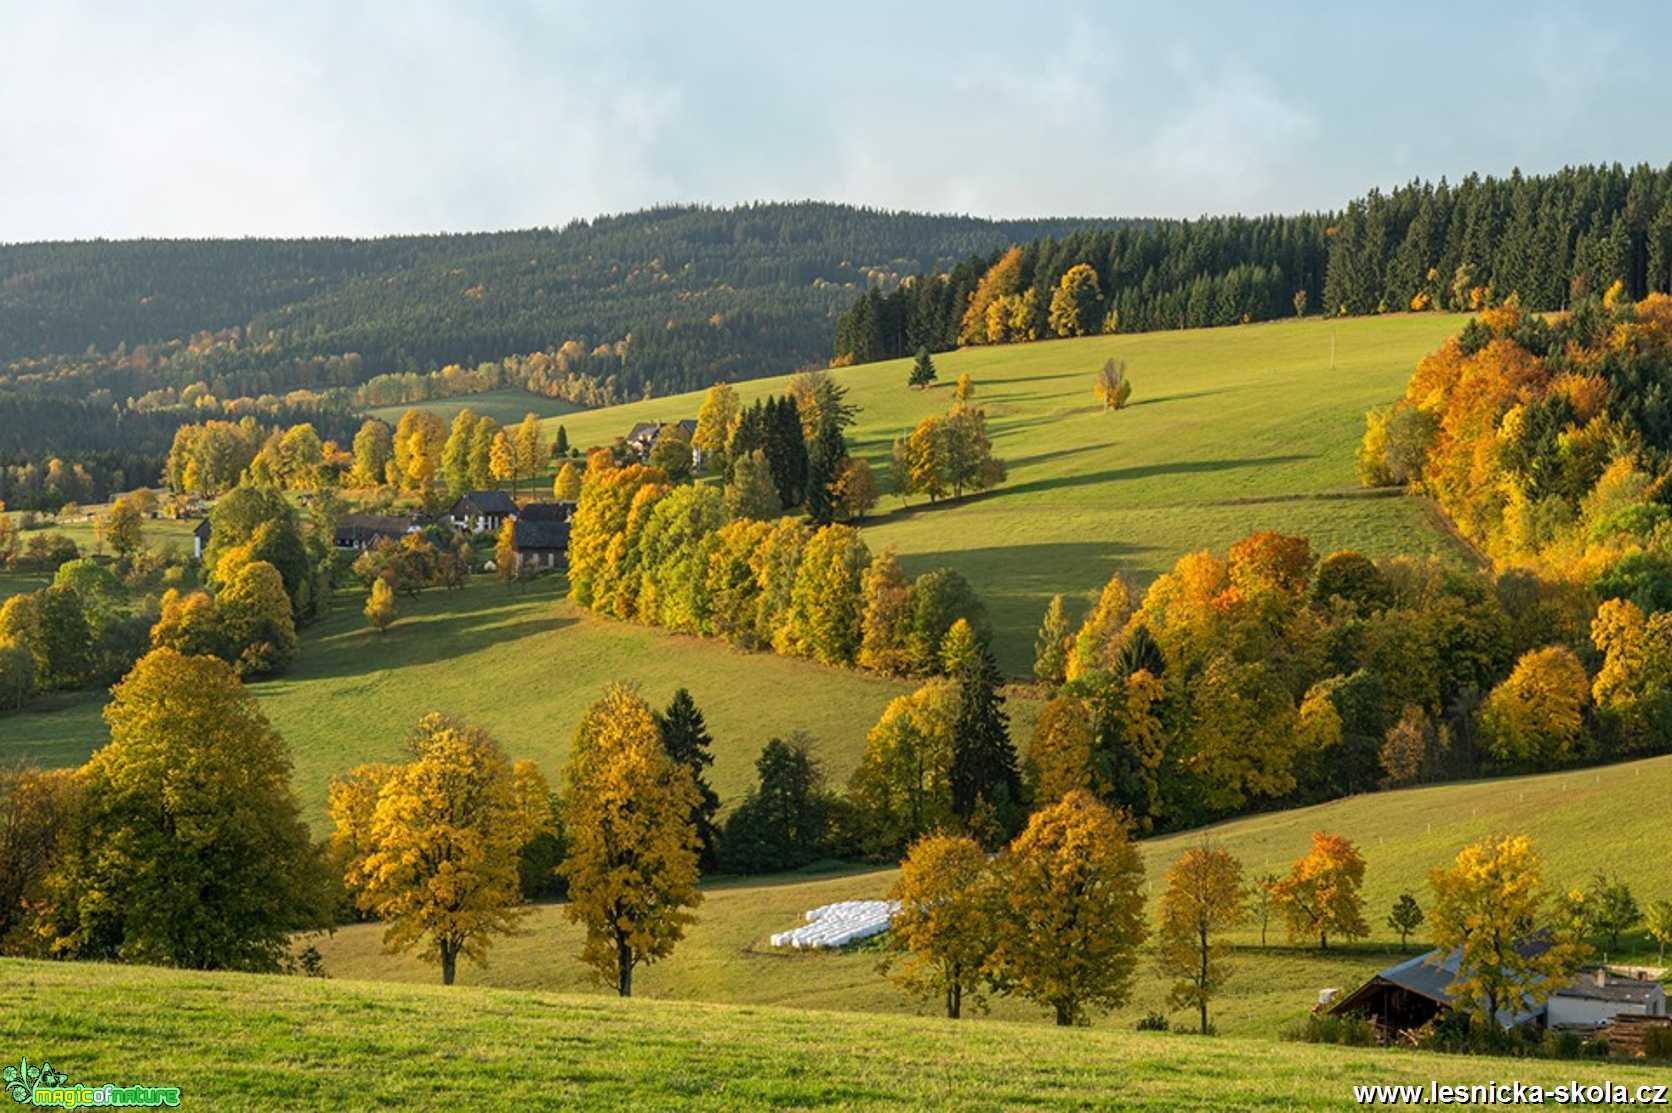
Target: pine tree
(560, 447)
(685, 737)
(922, 371)
(824, 470)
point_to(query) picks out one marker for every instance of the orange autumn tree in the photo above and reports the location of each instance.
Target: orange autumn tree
(1320, 896)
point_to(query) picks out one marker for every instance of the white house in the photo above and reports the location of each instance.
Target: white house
(1596, 997)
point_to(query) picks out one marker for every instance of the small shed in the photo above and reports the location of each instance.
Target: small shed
(200, 538)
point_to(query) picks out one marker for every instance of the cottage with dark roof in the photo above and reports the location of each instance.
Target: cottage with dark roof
(481, 511)
(200, 538)
(362, 531)
(540, 545)
(560, 510)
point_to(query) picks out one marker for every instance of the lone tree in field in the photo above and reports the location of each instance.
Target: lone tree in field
(1485, 904)
(1113, 387)
(1204, 897)
(1070, 910)
(965, 388)
(1320, 896)
(380, 605)
(922, 370)
(1405, 918)
(432, 846)
(942, 935)
(187, 847)
(632, 863)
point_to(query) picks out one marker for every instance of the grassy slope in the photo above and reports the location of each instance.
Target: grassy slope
(522, 663)
(1582, 822)
(504, 406)
(245, 1042)
(1230, 430)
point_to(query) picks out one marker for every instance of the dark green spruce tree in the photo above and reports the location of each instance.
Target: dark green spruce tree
(686, 739)
(986, 781)
(922, 371)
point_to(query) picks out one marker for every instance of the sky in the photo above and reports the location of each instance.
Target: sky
(344, 118)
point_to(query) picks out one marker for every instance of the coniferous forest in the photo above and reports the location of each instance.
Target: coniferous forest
(1549, 240)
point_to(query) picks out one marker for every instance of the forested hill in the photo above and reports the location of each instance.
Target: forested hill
(702, 292)
(1551, 240)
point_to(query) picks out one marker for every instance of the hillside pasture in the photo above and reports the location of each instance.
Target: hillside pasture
(1230, 430)
(238, 1041)
(1582, 822)
(522, 662)
(504, 406)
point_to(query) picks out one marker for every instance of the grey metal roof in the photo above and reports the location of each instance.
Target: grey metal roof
(526, 535)
(1614, 988)
(485, 502)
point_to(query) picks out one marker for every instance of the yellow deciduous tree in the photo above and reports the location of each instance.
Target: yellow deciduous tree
(1070, 910)
(1534, 717)
(1320, 896)
(942, 936)
(903, 785)
(1204, 897)
(1074, 303)
(566, 487)
(1487, 904)
(1099, 633)
(717, 417)
(633, 850)
(1113, 388)
(432, 845)
(380, 605)
(1060, 750)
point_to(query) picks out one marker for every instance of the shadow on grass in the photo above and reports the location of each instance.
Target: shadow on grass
(1097, 478)
(1180, 397)
(434, 627)
(1030, 571)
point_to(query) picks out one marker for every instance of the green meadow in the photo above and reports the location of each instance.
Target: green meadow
(1229, 430)
(1581, 822)
(249, 1042)
(504, 406)
(523, 663)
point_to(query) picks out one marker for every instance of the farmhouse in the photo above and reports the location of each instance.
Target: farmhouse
(481, 511)
(642, 437)
(540, 545)
(562, 510)
(200, 538)
(362, 531)
(1409, 994)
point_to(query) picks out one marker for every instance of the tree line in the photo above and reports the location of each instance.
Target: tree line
(1551, 239)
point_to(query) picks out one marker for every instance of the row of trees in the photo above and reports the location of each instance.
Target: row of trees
(643, 550)
(1552, 239)
(1269, 675)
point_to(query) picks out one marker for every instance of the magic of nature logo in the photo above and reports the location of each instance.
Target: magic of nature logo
(43, 1086)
